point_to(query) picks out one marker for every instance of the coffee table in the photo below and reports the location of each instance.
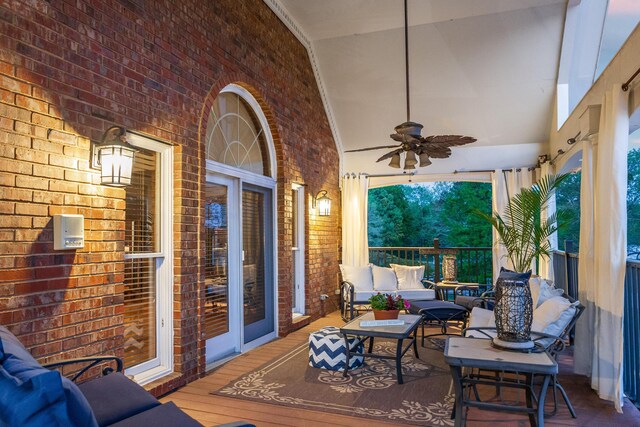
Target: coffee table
(478, 353)
(399, 333)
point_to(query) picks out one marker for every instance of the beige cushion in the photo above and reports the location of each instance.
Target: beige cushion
(384, 279)
(481, 318)
(363, 296)
(360, 277)
(417, 294)
(409, 277)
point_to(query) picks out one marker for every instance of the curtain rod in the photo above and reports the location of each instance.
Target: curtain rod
(625, 86)
(385, 175)
(529, 168)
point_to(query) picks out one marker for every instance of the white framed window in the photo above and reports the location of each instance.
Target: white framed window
(148, 281)
(298, 248)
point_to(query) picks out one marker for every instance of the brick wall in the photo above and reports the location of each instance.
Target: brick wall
(71, 69)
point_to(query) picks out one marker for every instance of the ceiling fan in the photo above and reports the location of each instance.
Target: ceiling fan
(408, 134)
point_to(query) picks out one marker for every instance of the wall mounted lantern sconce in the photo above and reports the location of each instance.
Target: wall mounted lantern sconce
(114, 157)
(323, 203)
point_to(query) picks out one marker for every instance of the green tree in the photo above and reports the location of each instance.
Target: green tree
(568, 208)
(462, 227)
(388, 216)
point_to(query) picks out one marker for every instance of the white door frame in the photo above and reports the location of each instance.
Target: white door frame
(298, 252)
(229, 342)
(215, 169)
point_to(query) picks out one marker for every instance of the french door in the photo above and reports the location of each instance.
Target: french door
(239, 266)
(222, 323)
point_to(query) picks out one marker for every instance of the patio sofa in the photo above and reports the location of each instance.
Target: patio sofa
(360, 283)
(32, 395)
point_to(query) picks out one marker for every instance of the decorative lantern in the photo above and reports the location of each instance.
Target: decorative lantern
(323, 203)
(114, 155)
(449, 268)
(514, 314)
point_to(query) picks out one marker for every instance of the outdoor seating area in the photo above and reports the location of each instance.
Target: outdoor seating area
(204, 400)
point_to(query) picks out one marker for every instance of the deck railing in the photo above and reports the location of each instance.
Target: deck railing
(473, 264)
(566, 277)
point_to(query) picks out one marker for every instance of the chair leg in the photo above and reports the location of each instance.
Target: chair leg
(565, 397)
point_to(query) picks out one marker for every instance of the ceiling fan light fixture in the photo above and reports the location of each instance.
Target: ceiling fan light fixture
(410, 159)
(395, 161)
(424, 160)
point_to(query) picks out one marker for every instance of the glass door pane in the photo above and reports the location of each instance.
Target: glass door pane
(257, 262)
(216, 261)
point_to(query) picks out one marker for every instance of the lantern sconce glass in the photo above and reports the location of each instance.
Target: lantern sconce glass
(114, 157)
(323, 203)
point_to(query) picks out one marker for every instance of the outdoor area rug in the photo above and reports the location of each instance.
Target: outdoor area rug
(425, 398)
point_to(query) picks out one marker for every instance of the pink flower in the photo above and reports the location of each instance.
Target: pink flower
(406, 305)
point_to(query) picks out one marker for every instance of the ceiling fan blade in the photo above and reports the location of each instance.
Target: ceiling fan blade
(449, 140)
(390, 155)
(437, 152)
(380, 147)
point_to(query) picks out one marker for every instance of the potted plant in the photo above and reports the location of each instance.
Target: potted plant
(524, 234)
(386, 306)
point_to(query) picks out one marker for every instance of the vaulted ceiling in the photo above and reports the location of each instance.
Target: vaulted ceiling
(486, 69)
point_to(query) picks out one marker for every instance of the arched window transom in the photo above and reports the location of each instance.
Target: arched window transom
(235, 135)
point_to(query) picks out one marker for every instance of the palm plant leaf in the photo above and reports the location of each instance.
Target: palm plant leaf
(520, 228)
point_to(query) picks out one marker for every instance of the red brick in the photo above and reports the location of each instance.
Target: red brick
(33, 156)
(31, 182)
(14, 85)
(63, 137)
(48, 171)
(32, 104)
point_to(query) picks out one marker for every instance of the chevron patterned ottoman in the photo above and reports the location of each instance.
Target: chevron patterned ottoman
(326, 350)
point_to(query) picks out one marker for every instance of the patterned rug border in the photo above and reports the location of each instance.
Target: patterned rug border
(250, 386)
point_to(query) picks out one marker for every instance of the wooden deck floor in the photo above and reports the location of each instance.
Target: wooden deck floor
(211, 410)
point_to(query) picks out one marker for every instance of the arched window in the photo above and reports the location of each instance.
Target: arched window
(236, 134)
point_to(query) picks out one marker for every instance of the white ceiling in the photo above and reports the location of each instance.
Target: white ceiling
(486, 69)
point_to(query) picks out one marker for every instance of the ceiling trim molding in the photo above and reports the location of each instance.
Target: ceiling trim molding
(297, 31)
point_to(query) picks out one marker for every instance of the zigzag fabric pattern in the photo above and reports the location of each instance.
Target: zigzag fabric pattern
(326, 350)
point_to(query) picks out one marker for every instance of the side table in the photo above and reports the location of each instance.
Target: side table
(478, 353)
(443, 288)
(400, 333)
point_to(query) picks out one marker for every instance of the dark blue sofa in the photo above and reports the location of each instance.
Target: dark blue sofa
(32, 395)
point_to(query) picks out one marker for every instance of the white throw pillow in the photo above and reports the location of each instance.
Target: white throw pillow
(360, 277)
(547, 291)
(409, 277)
(384, 279)
(553, 315)
(534, 286)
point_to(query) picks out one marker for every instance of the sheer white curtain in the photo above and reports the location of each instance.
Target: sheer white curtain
(355, 245)
(545, 268)
(504, 185)
(585, 339)
(604, 295)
